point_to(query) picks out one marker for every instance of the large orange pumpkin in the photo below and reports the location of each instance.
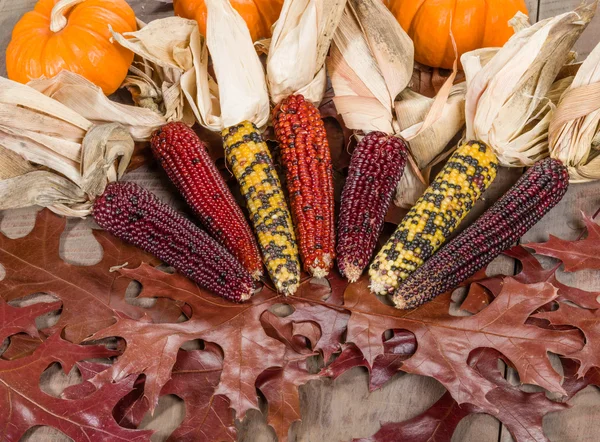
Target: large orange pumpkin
(72, 35)
(258, 14)
(474, 24)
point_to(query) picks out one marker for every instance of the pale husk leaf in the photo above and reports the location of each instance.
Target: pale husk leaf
(163, 55)
(243, 94)
(300, 43)
(575, 128)
(412, 109)
(504, 96)
(52, 156)
(87, 100)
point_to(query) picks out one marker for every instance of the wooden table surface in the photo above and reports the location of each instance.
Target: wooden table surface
(340, 410)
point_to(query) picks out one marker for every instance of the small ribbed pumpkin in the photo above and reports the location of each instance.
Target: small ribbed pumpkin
(474, 23)
(72, 35)
(258, 14)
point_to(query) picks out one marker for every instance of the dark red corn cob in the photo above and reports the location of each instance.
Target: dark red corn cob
(375, 170)
(136, 216)
(538, 191)
(186, 160)
(306, 158)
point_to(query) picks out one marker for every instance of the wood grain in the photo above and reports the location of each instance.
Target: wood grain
(343, 409)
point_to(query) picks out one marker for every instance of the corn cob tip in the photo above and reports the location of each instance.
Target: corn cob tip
(322, 267)
(400, 303)
(379, 288)
(257, 275)
(290, 290)
(351, 272)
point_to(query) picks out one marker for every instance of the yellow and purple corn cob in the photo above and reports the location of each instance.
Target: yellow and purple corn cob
(535, 194)
(306, 158)
(136, 216)
(251, 162)
(468, 173)
(375, 170)
(186, 160)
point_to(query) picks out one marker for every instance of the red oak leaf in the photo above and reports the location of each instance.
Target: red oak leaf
(521, 412)
(576, 255)
(88, 418)
(588, 321)
(445, 342)
(91, 296)
(15, 320)
(280, 387)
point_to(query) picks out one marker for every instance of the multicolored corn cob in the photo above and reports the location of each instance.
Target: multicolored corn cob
(375, 170)
(186, 160)
(136, 216)
(252, 165)
(306, 158)
(468, 173)
(535, 194)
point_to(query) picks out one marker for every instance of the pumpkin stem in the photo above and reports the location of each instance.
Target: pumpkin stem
(58, 20)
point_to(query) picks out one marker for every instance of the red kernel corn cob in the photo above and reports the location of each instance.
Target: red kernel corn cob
(306, 158)
(136, 216)
(534, 195)
(185, 159)
(375, 170)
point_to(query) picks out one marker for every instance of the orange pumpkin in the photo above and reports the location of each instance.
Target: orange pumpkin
(474, 24)
(72, 35)
(258, 14)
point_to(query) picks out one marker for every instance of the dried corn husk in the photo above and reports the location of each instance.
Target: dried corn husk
(52, 156)
(164, 55)
(507, 105)
(174, 75)
(299, 47)
(87, 100)
(575, 128)
(371, 66)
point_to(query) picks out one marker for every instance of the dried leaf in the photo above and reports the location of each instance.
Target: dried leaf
(31, 407)
(575, 255)
(91, 297)
(15, 320)
(442, 349)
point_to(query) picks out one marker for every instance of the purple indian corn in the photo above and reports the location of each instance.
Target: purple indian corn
(375, 170)
(136, 216)
(185, 159)
(538, 191)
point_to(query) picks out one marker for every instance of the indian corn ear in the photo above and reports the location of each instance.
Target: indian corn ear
(375, 170)
(534, 195)
(186, 160)
(468, 173)
(306, 158)
(252, 165)
(136, 216)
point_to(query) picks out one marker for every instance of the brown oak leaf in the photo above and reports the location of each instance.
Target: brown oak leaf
(238, 329)
(87, 418)
(445, 342)
(521, 412)
(280, 386)
(588, 321)
(91, 296)
(576, 255)
(15, 320)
